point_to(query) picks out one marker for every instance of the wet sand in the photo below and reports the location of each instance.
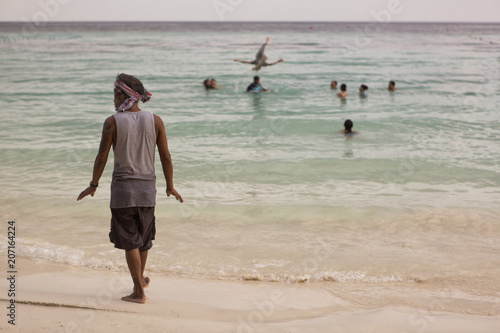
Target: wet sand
(59, 298)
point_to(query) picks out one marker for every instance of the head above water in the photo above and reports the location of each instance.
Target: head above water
(348, 125)
(333, 84)
(392, 85)
(256, 79)
(210, 83)
(363, 88)
(343, 87)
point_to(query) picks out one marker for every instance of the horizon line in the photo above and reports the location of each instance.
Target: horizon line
(251, 21)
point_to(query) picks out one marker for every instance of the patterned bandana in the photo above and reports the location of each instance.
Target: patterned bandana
(133, 96)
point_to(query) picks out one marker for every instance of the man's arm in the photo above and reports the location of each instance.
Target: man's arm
(243, 61)
(107, 139)
(274, 63)
(165, 158)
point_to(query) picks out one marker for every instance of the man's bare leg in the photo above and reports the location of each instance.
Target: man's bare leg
(145, 279)
(133, 258)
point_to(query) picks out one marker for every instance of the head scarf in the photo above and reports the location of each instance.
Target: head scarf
(133, 96)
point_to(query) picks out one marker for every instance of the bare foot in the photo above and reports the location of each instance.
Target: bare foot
(145, 282)
(134, 298)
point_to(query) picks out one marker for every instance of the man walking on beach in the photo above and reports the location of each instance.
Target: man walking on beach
(134, 134)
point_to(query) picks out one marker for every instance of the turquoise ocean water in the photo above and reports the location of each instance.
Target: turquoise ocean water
(271, 191)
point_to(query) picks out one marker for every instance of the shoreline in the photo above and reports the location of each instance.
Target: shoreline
(60, 298)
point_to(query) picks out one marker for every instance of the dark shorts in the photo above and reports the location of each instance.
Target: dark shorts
(132, 228)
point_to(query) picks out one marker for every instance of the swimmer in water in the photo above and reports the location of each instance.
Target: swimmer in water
(213, 84)
(392, 86)
(256, 86)
(348, 128)
(260, 58)
(343, 91)
(362, 90)
(333, 85)
(210, 84)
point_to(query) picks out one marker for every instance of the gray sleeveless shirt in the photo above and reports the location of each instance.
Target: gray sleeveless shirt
(134, 178)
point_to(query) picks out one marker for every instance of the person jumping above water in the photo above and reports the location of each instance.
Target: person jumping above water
(260, 58)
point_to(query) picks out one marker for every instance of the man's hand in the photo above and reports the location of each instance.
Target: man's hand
(89, 190)
(174, 193)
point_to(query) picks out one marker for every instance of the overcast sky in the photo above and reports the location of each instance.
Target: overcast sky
(251, 10)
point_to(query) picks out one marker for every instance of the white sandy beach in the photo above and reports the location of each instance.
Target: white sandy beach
(58, 298)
